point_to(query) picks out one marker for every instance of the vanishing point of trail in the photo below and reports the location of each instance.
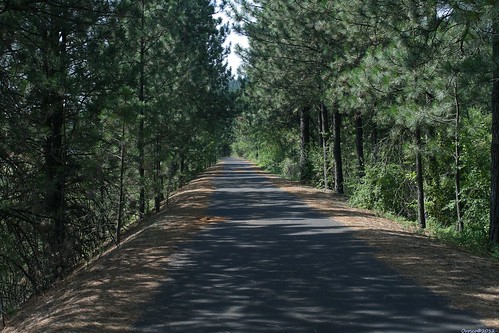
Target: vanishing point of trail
(276, 265)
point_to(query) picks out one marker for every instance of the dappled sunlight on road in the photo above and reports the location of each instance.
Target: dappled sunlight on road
(446, 270)
(276, 265)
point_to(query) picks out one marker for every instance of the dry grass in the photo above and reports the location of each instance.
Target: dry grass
(470, 282)
(110, 293)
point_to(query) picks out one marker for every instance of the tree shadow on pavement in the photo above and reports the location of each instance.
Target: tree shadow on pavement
(278, 266)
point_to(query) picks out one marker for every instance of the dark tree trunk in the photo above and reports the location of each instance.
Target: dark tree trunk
(182, 170)
(54, 153)
(141, 148)
(457, 160)
(324, 135)
(121, 202)
(419, 179)
(141, 140)
(162, 185)
(374, 142)
(494, 197)
(158, 188)
(2, 317)
(319, 127)
(304, 145)
(359, 143)
(102, 219)
(54, 161)
(338, 162)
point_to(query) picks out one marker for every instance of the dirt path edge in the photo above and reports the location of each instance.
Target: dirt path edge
(110, 293)
(468, 281)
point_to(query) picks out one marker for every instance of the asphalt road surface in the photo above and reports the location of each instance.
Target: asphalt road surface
(277, 265)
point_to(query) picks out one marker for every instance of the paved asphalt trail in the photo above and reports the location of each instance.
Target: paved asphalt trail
(278, 266)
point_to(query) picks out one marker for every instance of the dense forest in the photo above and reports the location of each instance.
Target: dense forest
(388, 101)
(105, 108)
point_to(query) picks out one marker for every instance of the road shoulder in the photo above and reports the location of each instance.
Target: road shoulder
(468, 281)
(109, 294)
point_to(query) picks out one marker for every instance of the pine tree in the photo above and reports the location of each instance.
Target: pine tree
(494, 199)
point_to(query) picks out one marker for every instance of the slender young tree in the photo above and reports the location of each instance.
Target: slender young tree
(494, 197)
(359, 143)
(141, 126)
(304, 144)
(324, 121)
(338, 160)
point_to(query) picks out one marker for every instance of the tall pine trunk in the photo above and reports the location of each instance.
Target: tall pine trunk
(121, 203)
(183, 170)
(304, 145)
(319, 127)
(419, 178)
(375, 143)
(338, 162)
(457, 160)
(54, 162)
(494, 197)
(157, 181)
(53, 108)
(141, 139)
(324, 135)
(359, 143)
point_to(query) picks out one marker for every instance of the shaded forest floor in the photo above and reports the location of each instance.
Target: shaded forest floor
(109, 294)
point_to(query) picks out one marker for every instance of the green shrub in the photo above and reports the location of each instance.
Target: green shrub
(387, 189)
(473, 237)
(290, 169)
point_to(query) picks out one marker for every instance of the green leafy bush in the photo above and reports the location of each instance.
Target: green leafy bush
(473, 237)
(290, 169)
(387, 189)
